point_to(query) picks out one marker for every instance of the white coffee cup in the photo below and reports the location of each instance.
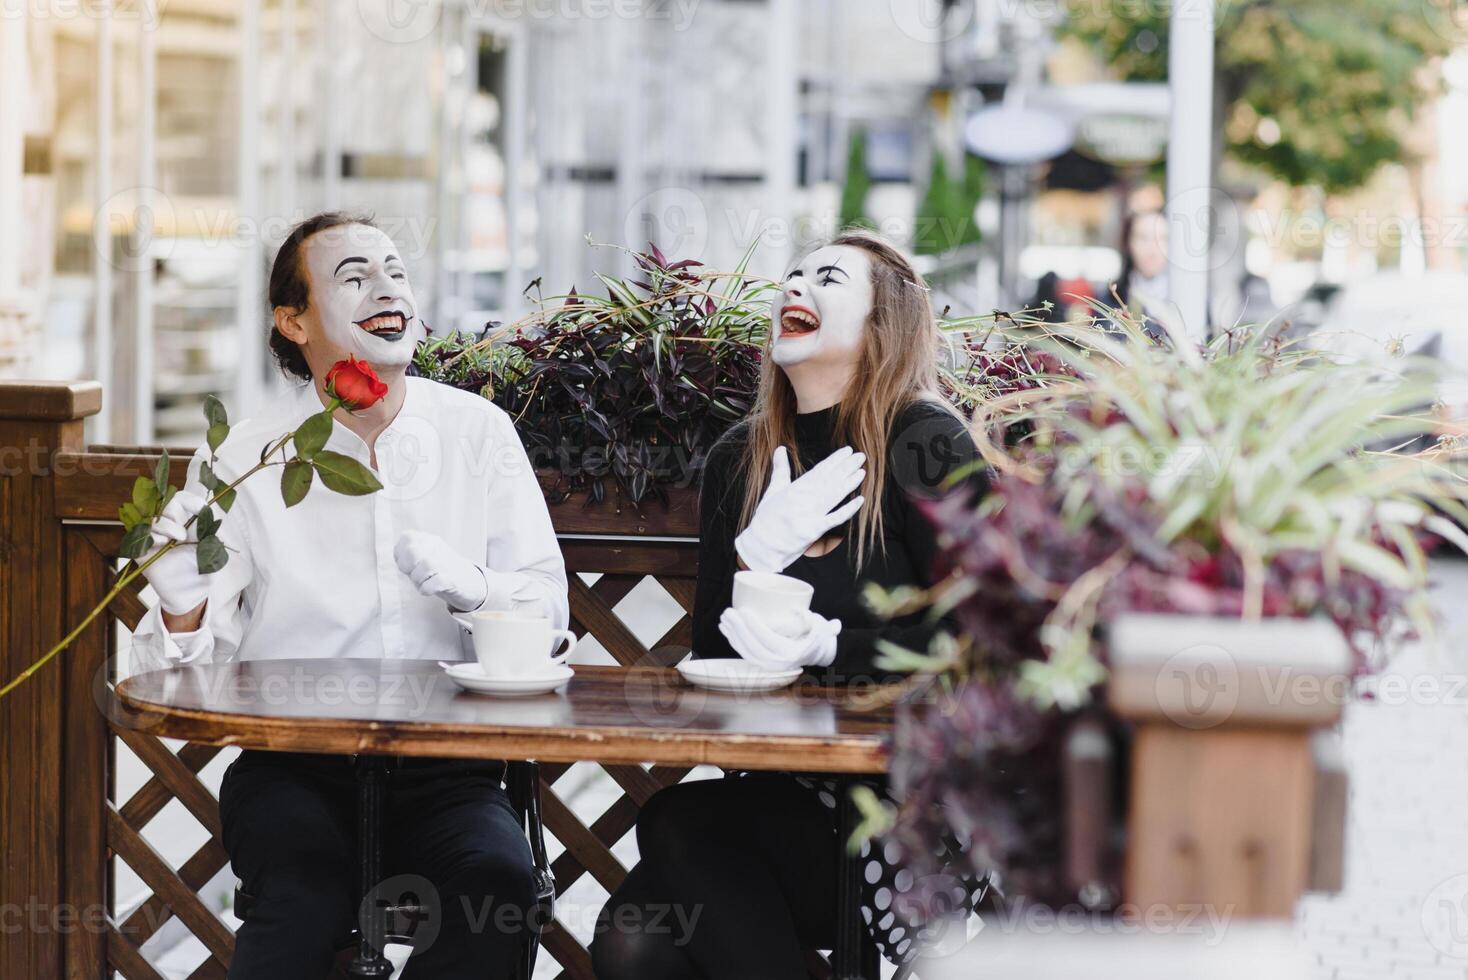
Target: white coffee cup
(514, 645)
(780, 601)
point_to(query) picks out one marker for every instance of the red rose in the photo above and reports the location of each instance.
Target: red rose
(355, 384)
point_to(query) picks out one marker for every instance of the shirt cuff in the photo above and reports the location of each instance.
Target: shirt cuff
(155, 648)
(503, 589)
(187, 647)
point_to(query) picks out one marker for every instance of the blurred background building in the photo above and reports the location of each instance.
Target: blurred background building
(153, 154)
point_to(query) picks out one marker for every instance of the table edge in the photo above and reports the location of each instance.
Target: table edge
(599, 744)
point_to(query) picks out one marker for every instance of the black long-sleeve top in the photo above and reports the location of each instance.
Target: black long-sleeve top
(926, 446)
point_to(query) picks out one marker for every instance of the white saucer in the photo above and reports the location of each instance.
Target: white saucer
(735, 676)
(470, 676)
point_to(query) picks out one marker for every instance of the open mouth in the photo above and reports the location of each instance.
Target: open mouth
(798, 321)
(389, 325)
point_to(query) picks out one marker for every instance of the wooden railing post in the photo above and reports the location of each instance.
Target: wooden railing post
(1226, 811)
(37, 420)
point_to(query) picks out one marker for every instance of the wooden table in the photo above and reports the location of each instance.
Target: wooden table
(375, 708)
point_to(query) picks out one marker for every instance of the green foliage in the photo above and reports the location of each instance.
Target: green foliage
(151, 494)
(312, 434)
(975, 178)
(858, 184)
(626, 391)
(145, 497)
(136, 541)
(945, 214)
(295, 481)
(1271, 481)
(1336, 80)
(218, 422)
(212, 555)
(933, 228)
(223, 494)
(344, 474)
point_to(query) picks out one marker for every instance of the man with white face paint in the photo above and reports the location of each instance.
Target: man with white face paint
(459, 525)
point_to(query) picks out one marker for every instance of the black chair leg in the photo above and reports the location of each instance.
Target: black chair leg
(855, 956)
(369, 962)
(522, 785)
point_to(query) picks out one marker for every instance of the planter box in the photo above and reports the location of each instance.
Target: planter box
(1231, 804)
(615, 516)
(1201, 671)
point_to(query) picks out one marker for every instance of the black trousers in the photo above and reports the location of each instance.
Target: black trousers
(450, 837)
(737, 880)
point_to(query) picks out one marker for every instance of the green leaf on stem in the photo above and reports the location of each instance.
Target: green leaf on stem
(214, 411)
(207, 477)
(136, 541)
(295, 480)
(145, 496)
(207, 524)
(216, 435)
(312, 435)
(160, 473)
(212, 555)
(226, 500)
(344, 474)
(130, 515)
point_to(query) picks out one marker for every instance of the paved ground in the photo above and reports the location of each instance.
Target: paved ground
(1404, 911)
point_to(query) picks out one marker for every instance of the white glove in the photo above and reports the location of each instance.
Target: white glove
(175, 576)
(793, 516)
(438, 570)
(763, 647)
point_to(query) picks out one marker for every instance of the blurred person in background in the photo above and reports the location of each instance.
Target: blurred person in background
(1142, 285)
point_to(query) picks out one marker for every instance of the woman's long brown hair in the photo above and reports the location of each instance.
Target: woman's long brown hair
(897, 366)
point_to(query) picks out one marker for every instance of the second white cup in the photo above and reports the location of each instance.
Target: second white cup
(780, 601)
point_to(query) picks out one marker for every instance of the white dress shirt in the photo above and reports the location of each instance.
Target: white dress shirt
(319, 580)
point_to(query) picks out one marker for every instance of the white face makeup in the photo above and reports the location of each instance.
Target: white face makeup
(821, 315)
(361, 297)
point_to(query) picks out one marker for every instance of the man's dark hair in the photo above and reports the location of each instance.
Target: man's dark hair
(291, 287)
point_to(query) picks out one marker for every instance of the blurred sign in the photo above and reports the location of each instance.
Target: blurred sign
(1119, 123)
(1123, 139)
(1017, 135)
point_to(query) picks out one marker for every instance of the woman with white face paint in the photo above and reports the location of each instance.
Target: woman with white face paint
(820, 483)
(374, 576)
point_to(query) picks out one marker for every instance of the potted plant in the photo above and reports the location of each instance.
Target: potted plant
(1245, 487)
(619, 397)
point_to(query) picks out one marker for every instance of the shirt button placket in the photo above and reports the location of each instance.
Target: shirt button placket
(388, 585)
